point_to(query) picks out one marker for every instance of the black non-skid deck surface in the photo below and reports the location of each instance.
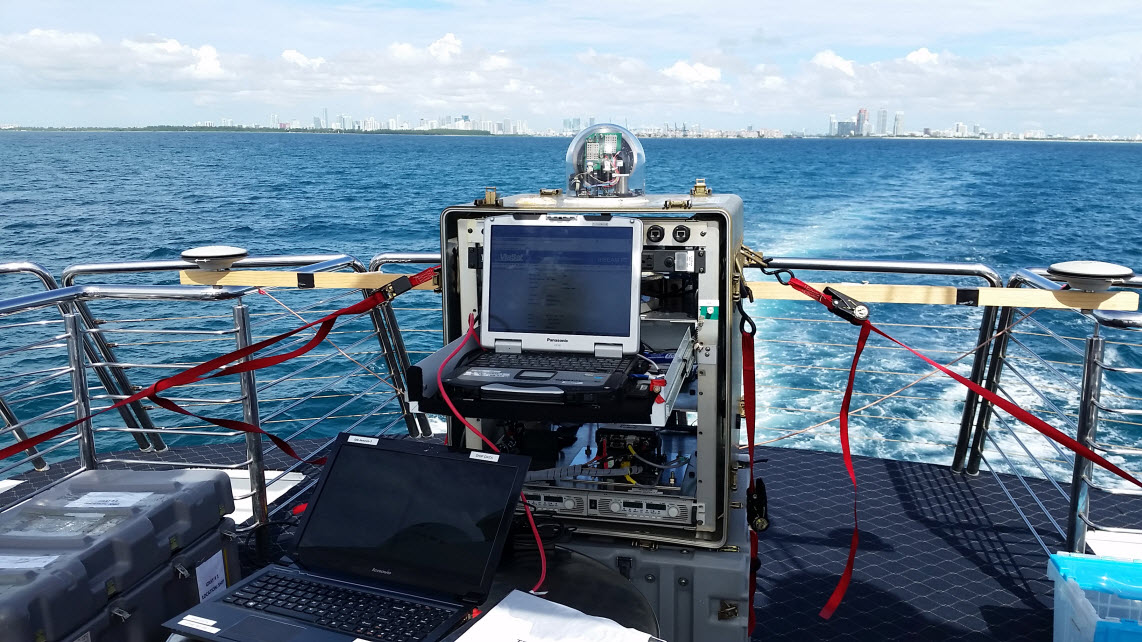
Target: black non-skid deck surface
(942, 556)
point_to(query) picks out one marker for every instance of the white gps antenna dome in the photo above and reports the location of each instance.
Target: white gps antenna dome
(214, 258)
(605, 160)
(1091, 276)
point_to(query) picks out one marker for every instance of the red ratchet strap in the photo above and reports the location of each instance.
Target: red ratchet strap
(200, 372)
(857, 314)
(750, 402)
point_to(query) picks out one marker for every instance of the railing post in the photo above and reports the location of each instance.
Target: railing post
(381, 321)
(402, 356)
(258, 501)
(1088, 424)
(971, 402)
(994, 371)
(79, 390)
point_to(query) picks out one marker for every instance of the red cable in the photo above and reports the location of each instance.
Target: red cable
(526, 507)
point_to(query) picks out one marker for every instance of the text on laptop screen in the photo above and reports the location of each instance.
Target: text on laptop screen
(422, 521)
(560, 279)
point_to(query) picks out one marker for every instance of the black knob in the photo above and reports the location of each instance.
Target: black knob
(681, 233)
(655, 233)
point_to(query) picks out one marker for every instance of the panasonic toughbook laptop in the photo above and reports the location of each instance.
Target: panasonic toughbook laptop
(400, 541)
(559, 310)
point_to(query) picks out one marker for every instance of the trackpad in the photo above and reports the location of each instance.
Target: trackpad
(259, 629)
(536, 375)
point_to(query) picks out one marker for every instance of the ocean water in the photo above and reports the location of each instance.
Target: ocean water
(68, 198)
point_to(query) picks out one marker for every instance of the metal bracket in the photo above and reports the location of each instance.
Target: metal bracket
(676, 204)
(700, 188)
(490, 198)
(745, 258)
(121, 614)
(181, 570)
(727, 610)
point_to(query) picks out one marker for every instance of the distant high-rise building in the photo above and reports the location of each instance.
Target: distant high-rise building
(882, 122)
(274, 121)
(317, 124)
(898, 124)
(976, 129)
(862, 121)
(960, 130)
(508, 126)
(325, 118)
(847, 128)
(832, 124)
(576, 124)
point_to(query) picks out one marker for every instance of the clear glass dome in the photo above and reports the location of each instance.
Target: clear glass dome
(605, 160)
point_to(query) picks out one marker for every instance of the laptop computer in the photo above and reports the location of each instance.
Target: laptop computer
(559, 320)
(400, 541)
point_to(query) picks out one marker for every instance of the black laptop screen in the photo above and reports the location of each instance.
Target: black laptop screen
(410, 519)
(555, 279)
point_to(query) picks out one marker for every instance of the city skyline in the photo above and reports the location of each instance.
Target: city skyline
(1023, 65)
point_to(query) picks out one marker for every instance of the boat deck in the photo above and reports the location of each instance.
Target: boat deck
(942, 556)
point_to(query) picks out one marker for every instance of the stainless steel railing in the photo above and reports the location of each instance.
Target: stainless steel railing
(985, 327)
(355, 380)
(153, 330)
(1058, 363)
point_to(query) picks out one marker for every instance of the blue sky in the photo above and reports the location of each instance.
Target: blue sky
(1067, 67)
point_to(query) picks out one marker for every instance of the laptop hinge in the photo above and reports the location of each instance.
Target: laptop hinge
(609, 350)
(514, 346)
(472, 599)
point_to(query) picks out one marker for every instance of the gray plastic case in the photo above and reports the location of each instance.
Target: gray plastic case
(67, 552)
(699, 595)
(138, 615)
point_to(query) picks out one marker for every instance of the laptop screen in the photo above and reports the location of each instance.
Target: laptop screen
(552, 279)
(426, 519)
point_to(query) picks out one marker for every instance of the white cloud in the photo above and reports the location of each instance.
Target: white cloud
(446, 48)
(495, 62)
(296, 57)
(696, 73)
(828, 59)
(207, 65)
(402, 51)
(922, 57)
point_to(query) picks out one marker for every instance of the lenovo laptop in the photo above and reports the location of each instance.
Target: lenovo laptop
(400, 541)
(559, 310)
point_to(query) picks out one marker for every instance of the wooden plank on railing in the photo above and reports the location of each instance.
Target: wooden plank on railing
(944, 295)
(280, 279)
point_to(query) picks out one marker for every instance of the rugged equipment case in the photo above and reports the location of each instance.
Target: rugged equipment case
(698, 233)
(73, 549)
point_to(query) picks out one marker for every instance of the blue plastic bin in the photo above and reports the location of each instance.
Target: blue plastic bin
(1097, 599)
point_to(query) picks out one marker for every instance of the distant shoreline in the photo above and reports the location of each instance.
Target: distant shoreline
(455, 132)
(251, 130)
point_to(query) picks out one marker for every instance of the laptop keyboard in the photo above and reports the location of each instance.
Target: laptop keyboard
(548, 361)
(356, 613)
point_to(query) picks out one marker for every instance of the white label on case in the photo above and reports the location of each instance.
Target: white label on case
(200, 620)
(101, 499)
(211, 576)
(358, 439)
(199, 625)
(26, 561)
(485, 456)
